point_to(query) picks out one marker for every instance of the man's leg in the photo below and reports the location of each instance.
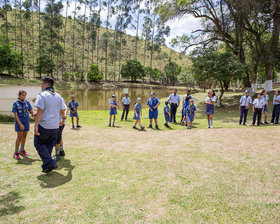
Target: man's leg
(277, 113)
(241, 114)
(245, 116)
(259, 111)
(175, 111)
(254, 117)
(123, 113)
(172, 112)
(273, 114)
(127, 111)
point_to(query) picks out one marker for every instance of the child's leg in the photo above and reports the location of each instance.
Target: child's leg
(135, 123)
(23, 140)
(273, 114)
(139, 121)
(259, 111)
(245, 116)
(265, 116)
(110, 119)
(72, 120)
(254, 117)
(77, 120)
(18, 140)
(151, 121)
(114, 119)
(211, 120)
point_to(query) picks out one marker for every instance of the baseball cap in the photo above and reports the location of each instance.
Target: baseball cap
(139, 98)
(153, 93)
(113, 96)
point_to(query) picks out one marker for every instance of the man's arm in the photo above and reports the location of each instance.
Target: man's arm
(38, 117)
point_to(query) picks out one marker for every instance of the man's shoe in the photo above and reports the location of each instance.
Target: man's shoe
(49, 169)
(78, 126)
(109, 125)
(275, 123)
(266, 122)
(23, 153)
(16, 156)
(61, 153)
(244, 124)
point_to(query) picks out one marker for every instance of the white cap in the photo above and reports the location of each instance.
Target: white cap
(139, 98)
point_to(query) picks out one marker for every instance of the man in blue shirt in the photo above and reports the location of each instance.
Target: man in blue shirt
(276, 108)
(153, 103)
(49, 105)
(125, 102)
(174, 100)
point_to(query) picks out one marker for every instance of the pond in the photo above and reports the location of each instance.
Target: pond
(88, 99)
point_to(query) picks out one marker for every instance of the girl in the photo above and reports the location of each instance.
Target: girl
(191, 113)
(138, 113)
(113, 104)
(265, 98)
(186, 104)
(21, 110)
(209, 110)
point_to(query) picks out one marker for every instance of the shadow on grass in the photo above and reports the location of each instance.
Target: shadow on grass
(27, 161)
(55, 179)
(8, 204)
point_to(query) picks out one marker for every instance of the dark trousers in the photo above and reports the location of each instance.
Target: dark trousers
(257, 113)
(182, 114)
(125, 111)
(173, 112)
(275, 114)
(243, 113)
(44, 144)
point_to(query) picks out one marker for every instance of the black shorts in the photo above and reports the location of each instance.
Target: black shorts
(59, 134)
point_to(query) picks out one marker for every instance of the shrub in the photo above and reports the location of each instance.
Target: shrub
(94, 75)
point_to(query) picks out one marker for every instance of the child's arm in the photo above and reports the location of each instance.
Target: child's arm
(254, 108)
(136, 115)
(18, 121)
(194, 114)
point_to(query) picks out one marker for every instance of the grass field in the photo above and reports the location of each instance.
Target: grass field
(229, 174)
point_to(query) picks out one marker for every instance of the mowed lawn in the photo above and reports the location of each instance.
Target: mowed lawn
(229, 174)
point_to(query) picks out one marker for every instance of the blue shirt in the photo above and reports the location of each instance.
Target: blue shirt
(186, 104)
(126, 100)
(22, 108)
(265, 98)
(165, 110)
(152, 102)
(113, 102)
(190, 110)
(185, 96)
(258, 103)
(245, 100)
(274, 101)
(137, 107)
(73, 105)
(174, 98)
(52, 104)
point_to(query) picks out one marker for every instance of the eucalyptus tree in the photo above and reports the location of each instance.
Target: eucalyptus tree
(146, 34)
(5, 7)
(73, 37)
(137, 9)
(64, 37)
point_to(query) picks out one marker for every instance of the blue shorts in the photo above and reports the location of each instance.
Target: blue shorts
(25, 123)
(209, 109)
(190, 118)
(167, 118)
(73, 115)
(136, 118)
(113, 111)
(265, 108)
(153, 114)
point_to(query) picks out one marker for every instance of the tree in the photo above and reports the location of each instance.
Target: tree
(172, 70)
(94, 75)
(146, 34)
(133, 69)
(44, 64)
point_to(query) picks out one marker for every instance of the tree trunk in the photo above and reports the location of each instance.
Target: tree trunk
(6, 25)
(84, 36)
(73, 46)
(32, 33)
(64, 41)
(152, 49)
(136, 37)
(39, 22)
(120, 56)
(15, 4)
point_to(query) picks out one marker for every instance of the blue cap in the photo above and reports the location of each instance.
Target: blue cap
(114, 96)
(246, 91)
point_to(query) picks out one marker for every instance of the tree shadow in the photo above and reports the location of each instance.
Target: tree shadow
(8, 203)
(27, 160)
(55, 179)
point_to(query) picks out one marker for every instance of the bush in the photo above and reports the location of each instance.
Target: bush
(66, 76)
(6, 118)
(44, 64)
(94, 75)
(133, 69)
(154, 74)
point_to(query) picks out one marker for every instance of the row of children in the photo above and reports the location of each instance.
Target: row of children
(260, 106)
(21, 110)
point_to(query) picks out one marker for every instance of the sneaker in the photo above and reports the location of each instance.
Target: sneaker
(23, 153)
(61, 153)
(244, 124)
(73, 126)
(109, 125)
(49, 169)
(150, 126)
(16, 156)
(275, 123)
(142, 128)
(78, 126)
(134, 127)
(266, 122)
(157, 127)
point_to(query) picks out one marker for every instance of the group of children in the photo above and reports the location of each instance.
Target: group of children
(260, 107)
(21, 110)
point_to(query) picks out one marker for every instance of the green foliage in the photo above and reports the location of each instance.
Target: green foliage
(66, 76)
(10, 60)
(94, 75)
(172, 71)
(186, 77)
(44, 64)
(133, 69)
(154, 74)
(79, 75)
(6, 118)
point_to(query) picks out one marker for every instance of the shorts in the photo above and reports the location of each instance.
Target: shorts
(73, 115)
(184, 112)
(153, 114)
(167, 118)
(190, 118)
(59, 134)
(209, 109)
(25, 122)
(113, 111)
(265, 108)
(136, 118)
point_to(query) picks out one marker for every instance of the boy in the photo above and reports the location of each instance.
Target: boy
(73, 106)
(59, 142)
(113, 104)
(258, 108)
(190, 110)
(276, 108)
(244, 106)
(167, 114)
(138, 113)
(153, 103)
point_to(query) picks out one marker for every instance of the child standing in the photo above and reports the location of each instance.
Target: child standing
(276, 108)
(210, 107)
(73, 106)
(138, 114)
(185, 115)
(113, 104)
(167, 114)
(258, 108)
(191, 110)
(265, 98)
(21, 110)
(245, 102)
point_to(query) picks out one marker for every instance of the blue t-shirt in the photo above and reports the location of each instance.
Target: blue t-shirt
(186, 104)
(137, 107)
(190, 110)
(22, 108)
(73, 105)
(113, 102)
(165, 110)
(52, 104)
(152, 102)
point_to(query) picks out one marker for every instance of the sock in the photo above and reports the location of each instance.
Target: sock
(57, 150)
(16, 150)
(210, 123)
(61, 147)
(22, 147)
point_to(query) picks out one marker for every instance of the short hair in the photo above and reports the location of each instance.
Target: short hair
(187, 99)
(20, 92)
(188, 91)
(176, 90)
(48, 80)
(260, 93)
(263, 91)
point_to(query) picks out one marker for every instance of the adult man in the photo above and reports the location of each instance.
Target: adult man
(125, 102)
(245, 102)
(50, 104)
(153, 103)
(183, 101)
(174, 100)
